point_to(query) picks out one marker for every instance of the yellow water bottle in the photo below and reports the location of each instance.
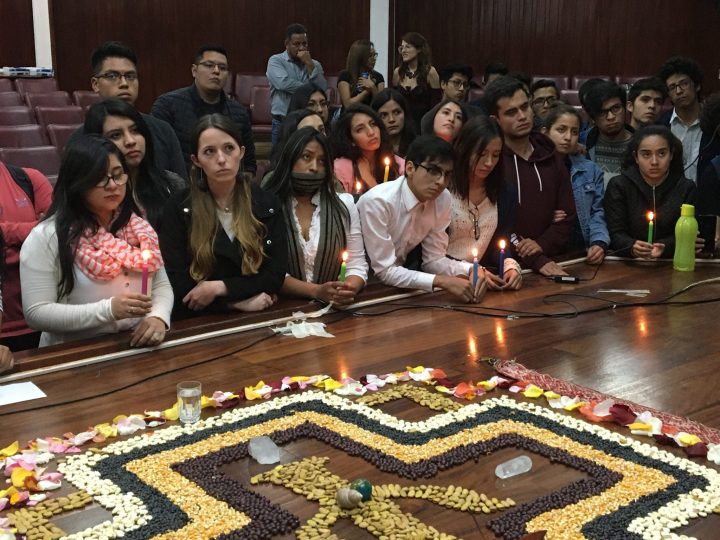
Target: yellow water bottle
(686, 230)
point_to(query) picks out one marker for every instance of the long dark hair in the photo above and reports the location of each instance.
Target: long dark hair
(343, 145)
(409, 131)
(676, 163)
(288, 127)
(281, 182)
(357, 59)
(469, 145)
(151, 187)
(424, 57)
(84, 164)
(301, 96)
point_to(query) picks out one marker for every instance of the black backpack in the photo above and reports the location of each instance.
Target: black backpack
(23, 180)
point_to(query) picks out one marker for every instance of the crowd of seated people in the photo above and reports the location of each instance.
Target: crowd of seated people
(160, 217)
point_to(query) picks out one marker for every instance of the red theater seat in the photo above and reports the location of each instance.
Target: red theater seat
(49, 99)
(570, 97)
(71, 114)
(562, 82)
(45, 159)
(244, 85)
(22, 136)
(10, 99)
(578, 80)
(16, 115)
(60, 134)
(85, 98)
(260, 109)
(36, 86)
(6, 85)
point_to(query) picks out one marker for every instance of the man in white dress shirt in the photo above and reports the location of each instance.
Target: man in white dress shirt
(410, 215)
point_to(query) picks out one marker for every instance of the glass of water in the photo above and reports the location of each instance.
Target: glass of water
(189, 394)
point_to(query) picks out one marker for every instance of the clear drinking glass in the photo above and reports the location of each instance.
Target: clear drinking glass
(189, 394)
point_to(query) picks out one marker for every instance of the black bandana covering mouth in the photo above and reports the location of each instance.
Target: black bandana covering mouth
(307, 183)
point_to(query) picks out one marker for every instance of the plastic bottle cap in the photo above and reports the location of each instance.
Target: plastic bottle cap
(687, 210)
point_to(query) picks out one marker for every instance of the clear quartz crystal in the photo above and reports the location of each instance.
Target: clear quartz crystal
(513, 467)
(264, 450)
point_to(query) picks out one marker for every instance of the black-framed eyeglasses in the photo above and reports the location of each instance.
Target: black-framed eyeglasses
(457, 83)
(539, 102)
(614, 110)
(119, 177)
(681, 85)
(435, 171)
(212, 65)
(116, 76)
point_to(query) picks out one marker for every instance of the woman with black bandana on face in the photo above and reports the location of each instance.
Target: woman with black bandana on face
(321, 224)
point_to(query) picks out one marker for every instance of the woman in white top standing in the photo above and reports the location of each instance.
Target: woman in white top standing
(483, 208)
(320, 223)
(81, 269)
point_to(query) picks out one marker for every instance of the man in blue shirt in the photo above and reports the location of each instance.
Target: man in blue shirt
(290, 69)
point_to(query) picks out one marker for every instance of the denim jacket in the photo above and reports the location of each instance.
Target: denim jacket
(589, 189)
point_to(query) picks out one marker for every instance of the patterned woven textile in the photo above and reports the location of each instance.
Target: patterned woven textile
(514, 370)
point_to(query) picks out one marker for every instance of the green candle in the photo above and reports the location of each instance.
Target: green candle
(343, 266)
(650, 217)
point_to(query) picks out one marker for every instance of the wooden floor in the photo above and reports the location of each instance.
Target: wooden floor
(664, 357)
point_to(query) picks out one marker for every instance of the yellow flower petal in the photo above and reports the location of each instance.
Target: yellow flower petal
(18, 477)
(487, 385)
(417, 369)
(251, 394)
(640, 426)
(551, 395)
(11, 450)
(688, 439)
(206, 402)
(8, 492)
(107, 430)
(574, 406)
(173, 413)
(533, 391)
(329, 385)
(119, 417)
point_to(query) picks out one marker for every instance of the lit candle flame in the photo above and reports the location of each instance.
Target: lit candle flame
(146, 255)
(474, 253)
(358, 186)
(387, 161)
(344, 256)
(502, 244)
(650, 216)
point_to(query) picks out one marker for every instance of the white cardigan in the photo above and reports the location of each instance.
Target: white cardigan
(86, 312)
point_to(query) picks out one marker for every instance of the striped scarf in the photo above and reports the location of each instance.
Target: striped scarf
(330, 244)
(103, 256)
